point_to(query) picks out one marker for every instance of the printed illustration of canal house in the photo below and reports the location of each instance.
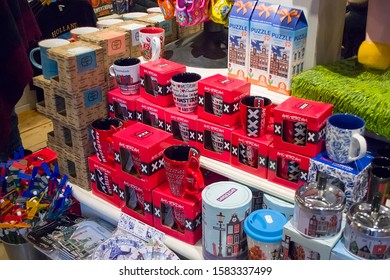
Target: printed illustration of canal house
(237, 50)
(322, 227)
(259, 55)
(291, 250)
(279, 61)
(379, 251)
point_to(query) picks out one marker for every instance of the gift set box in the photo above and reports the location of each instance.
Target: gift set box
(238, 42)
(214, 140)
(287, 168)
(176, 216)
(150, 113)
(156, 80)
(104, 181)
(299, 125)
(123, 107)
(297, 247)
(138, 151)
(182, 126)
(219, 99)
(250, 154)
(340, 253)
(352, 178)
(137, 200)
(43, 155)
(288, 44)
(260, 47)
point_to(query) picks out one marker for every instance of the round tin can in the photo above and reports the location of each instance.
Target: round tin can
(273, 203)
(225, 205)
(318, 209)
(264, 230)
(367, 230)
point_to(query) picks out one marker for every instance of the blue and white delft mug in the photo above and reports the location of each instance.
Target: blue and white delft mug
(344, 138)
(49, 66)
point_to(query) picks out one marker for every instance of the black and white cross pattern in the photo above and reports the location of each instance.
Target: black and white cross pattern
(263, 161)
(278, 129)
(152, 167)
(231, 108)
(300, 133)
(200, 137)
(226, 145)
(148, 207)
(138, 116)
(234, 151)
(201, 100)
(293, 171)
(192, 225)
(168, 127)
(117, 157)
(192, 135)
(111, 108)
(253, 122)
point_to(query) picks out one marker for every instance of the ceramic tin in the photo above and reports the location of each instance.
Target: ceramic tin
(264, 230)
(273, 203)
(225, 205)
(367, 230)
(318, 209)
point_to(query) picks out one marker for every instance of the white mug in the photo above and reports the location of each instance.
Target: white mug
(104, 23)
(126, 73)
(76, 32)
(151, 42)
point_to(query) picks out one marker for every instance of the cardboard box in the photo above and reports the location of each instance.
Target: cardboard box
(156, 80)
(219, 99)
(297, 247)
(299, 125)
(340, 253)
(288, 46)
(182, 126)
(214, 140)
(260, 43)
(250, 154)
(138, 200)
(138, 151)
(131, 27)
(352, 178)
(122, 106)
(177, 216)
(238, 42)
(80, 66)
(104, 181)
(45, 106)
(150, 114)
(287, 168)
(274, 203)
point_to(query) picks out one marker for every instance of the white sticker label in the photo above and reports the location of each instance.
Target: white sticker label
(268, 219)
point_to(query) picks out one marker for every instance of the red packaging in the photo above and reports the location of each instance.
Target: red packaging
(250, 154)
(137, 201)
(177, 216)
(104, 181)
(219, 99)
(214, 140)
(43, 155)
(299, 125)
(150, 114)
(156, 80)
(287, 168)
(138, 151)
(122, 106)
(182, 126)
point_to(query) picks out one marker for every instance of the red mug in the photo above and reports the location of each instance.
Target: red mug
(182, 167)
(255, 114)
(102, 131)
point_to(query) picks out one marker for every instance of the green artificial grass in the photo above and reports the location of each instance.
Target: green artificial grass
(351, 89)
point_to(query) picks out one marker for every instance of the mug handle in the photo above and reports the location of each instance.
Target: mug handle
(193, 170)
(32, 59)
(111, 71)
(156, 48)
(362, 145)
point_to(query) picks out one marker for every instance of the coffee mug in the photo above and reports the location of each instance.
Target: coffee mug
(255, 113)
(217, 103)
(126, 73)
(185, 91)
(49, 66)
(182, 169)
(217, 142)
(151, 42)
(104, 23)
(184, 131)
(344, 140)
(76, 32)
(102, 131)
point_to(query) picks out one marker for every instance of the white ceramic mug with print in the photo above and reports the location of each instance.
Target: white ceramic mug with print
(151, 42)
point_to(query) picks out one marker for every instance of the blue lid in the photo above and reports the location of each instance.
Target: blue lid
(265, 225)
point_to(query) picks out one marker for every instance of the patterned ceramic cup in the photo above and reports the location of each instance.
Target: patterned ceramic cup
(151, 42)
(217, 142)
(344, 140)
(217, 103)
(255, 114)
(185, 91)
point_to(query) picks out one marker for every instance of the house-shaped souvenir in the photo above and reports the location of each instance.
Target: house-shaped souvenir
(238, 41)
(288, 43)
(260, 43)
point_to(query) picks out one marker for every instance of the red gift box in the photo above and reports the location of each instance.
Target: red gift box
(250, 154)
(177, 216)
(156, 80)
(182, 126)
(138, 152)
(287, 168)
(219, 99)
(299, 125)
(150, 114)
(122, 106)
(214, 140)
(137, 200)
(104, 181)
(43, 155)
